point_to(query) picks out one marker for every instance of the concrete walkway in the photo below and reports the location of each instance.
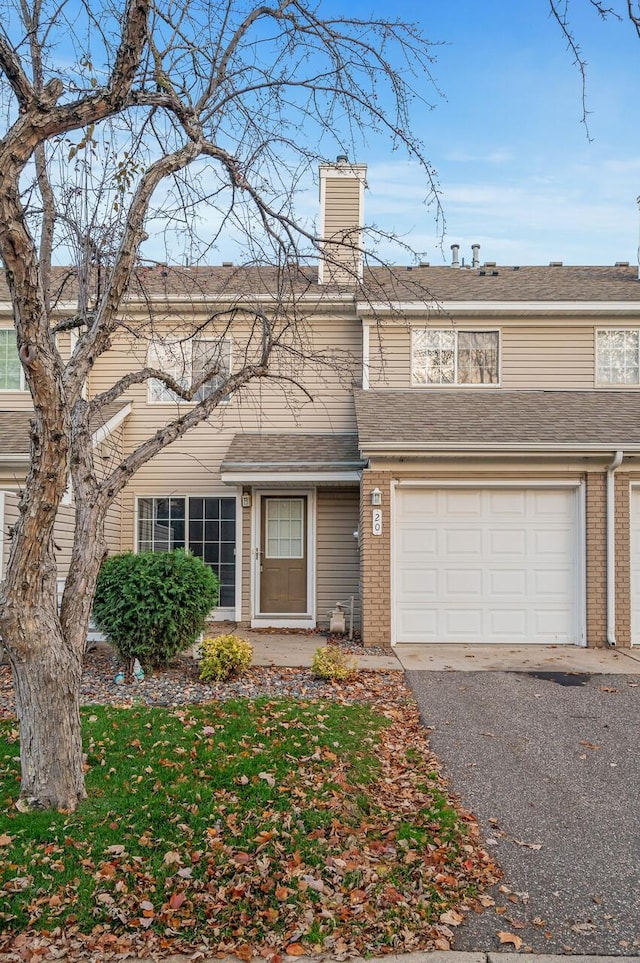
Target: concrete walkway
(518, 658)
(297, 649)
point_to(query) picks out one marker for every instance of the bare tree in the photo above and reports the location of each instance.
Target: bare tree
(123, 119)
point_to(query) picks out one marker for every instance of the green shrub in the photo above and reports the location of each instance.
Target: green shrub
(153, 605)
(330, 662)
(224, 657)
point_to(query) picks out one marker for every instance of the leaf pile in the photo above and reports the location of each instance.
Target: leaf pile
(250, 827)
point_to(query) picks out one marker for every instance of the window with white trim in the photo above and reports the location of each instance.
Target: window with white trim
(452, 357)
(204, 526)
(618, 356)
(11, 373)
(186, 362)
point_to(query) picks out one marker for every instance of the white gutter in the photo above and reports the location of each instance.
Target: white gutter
(366, 356)
(611, 549)
(499, 307)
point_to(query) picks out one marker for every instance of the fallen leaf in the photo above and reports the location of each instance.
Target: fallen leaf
(172, 858)
(452, 918)
(270, 781)
(5, 840)
(505, 937)
(176, 901)
(589, 745)
(521, 842)
(295, 949)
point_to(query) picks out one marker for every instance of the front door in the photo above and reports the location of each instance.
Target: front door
(283, 555)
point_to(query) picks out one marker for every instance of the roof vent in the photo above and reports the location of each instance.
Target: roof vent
(475, 248)
(455, 251)
(342, 159)
(555, 263)
(490, 264)
(622, 264)
(227, 263)
(424, 264)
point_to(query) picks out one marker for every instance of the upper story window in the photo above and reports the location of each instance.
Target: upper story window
(618, 357)
(187, 362)
(446, 357)
(11, 374)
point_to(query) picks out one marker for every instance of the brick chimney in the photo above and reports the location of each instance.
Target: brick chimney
(341, 221)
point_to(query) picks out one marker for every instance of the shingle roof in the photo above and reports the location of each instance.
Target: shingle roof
(397, 421)
(419, 283)
(15, 427)
(279, 452)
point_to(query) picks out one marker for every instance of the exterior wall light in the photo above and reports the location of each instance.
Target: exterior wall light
(246, 499)
(376, 497)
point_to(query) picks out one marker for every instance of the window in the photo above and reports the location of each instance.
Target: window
(454, 357)
(618, 357)
(206, 527)
(187, 362)
(11, 376)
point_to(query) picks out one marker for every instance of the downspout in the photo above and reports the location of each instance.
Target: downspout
(611, 549)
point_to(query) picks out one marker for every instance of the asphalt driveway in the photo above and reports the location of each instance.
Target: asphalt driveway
(551, 768)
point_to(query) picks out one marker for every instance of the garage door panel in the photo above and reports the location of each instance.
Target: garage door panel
(489, 565)
(552, 583)
(460, 541)
(415, 541)
(420, 582)
(506, 504)
(459, 503)
(506, 623)
(462, 582)
(509, 582)
(508, 542)
(464, 622)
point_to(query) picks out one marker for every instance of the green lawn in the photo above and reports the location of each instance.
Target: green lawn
(256, 824)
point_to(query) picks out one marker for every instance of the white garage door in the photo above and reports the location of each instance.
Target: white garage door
(486, 565)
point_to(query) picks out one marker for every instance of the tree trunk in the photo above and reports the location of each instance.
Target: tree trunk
(46, 677)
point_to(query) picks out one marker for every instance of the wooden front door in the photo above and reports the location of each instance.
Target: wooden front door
(283, 555)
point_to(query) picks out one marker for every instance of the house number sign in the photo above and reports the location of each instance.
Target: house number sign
(376, 521)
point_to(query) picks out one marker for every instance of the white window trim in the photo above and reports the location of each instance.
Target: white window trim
(221, 612)
(23, 382)
(181, 401)
(456, 384)
(612, 385)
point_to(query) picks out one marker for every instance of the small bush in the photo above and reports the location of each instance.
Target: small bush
(330, 662)
(153, 605)
(224, 657)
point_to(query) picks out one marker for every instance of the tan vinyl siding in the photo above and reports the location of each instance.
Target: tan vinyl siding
(337, 561)
(541, 356)
(191, 464)
(8, 517)
(62, 532)
(113, 527)
(63, 538)
(558, 357)
(342, 205)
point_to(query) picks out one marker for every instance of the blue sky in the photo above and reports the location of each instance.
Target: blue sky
(517, 172)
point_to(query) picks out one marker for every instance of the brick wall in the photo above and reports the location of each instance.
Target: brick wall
(623, 560)
(596, 559)
(375, 561)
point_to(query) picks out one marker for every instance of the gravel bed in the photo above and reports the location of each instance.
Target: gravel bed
(179, 684)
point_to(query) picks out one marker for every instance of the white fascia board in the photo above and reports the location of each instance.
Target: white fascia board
(271, 478)
(407, 451)
(110, 426)
(492, 308)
